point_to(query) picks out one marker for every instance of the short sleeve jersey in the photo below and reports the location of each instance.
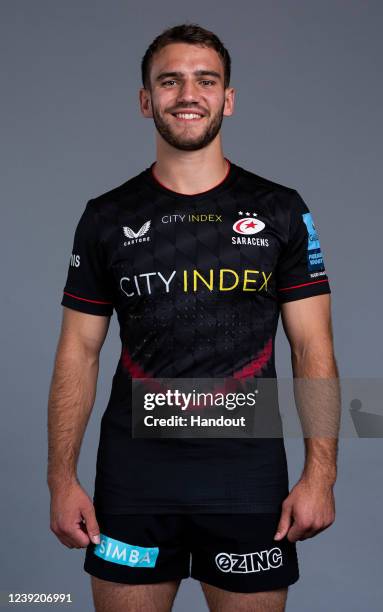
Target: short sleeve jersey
(196, 282)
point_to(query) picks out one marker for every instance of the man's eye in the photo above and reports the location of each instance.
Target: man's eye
(170, 81)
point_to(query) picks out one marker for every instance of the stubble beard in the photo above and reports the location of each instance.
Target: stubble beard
(188, 143)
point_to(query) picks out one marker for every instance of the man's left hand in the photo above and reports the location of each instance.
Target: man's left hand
(308, 510)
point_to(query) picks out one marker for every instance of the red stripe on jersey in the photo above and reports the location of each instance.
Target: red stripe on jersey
(85, 300)
(304, 285)
(256, 365)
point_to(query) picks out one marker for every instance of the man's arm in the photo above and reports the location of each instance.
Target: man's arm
(71, 398)
(310, 505)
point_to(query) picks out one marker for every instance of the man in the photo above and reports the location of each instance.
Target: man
(198, 256)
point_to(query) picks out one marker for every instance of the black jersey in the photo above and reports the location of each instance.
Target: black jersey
(196, 282)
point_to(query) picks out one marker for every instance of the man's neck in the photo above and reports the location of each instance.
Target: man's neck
(190, 174)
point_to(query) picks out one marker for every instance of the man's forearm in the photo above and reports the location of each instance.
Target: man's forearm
(321, 458)
(71, 398)
(317, 395)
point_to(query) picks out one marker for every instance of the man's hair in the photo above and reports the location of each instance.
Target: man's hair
(192, 34)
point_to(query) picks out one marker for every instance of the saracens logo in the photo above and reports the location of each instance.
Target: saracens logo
(249, 562)
(139, 236)
(246, 226)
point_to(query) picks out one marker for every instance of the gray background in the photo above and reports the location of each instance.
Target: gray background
(308, 115)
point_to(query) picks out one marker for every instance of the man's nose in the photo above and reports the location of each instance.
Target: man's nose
(188, 92)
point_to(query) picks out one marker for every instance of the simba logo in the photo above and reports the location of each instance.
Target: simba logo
(122, 553)
(249, 562)
(136, 236)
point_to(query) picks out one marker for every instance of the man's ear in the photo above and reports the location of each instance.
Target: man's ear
(229, 101)
(145, 102)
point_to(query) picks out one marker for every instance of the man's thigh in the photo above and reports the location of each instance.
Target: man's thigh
(237, 554)
(219, 600)
(117, 597)
(139, 562)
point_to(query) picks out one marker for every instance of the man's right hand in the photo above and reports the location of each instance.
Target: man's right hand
(72, 516)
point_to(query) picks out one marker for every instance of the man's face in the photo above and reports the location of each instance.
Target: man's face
(187, 79)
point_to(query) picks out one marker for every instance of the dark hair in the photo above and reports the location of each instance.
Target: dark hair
(192, 34)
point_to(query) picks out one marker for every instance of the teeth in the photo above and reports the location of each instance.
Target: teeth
(188, 115)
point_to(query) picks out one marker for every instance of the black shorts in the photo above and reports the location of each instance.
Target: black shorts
(235, 552)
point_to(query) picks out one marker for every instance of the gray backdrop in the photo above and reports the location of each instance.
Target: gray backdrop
(308, 115)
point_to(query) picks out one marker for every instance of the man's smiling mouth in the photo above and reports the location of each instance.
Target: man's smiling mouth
(188, 116)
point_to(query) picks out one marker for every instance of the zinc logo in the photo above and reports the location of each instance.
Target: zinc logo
(249, 562)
